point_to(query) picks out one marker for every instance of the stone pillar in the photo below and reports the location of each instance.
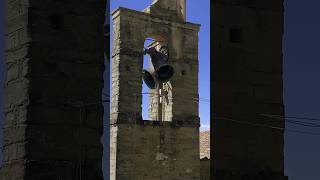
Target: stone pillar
(154, 149)
(53, 112)
(183, 8)
(247, 85)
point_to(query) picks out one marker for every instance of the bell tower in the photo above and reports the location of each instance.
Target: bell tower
(160, 148)
(247, 90)
(53, 109)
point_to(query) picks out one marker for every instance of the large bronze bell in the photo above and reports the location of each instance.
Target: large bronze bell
(149, 79)
(162, 71)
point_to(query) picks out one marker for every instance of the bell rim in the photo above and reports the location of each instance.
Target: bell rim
(167, 78)
(149, 75)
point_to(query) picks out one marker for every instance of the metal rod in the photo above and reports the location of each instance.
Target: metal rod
(160, 103)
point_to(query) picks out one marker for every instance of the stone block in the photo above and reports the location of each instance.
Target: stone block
(87, 136)
(13, 56)
(14, 152)
(17, 39)
(17, 93)
(13, 71)
(88, 70)
(50, 169)
(270, 94)
(14, 134)
(15, 117)
(58, 134)
(13, 170)
(16, 8)
(93, 116)
(93, 154)
(16, 22)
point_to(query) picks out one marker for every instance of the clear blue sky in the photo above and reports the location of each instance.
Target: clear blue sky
(193, 15)
(301, 86)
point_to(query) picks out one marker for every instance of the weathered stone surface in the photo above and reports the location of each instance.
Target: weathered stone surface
(156, 152)
(247, 83)
(205, 169)
(161, 148)
(55, 64)
(205, 144)
(127, 48)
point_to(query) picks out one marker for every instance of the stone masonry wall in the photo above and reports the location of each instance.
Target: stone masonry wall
(157, 151)
(247, 83)
(53, 113)
(130, 28)
(205, 169)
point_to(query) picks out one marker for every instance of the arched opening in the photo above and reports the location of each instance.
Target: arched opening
(156, 95)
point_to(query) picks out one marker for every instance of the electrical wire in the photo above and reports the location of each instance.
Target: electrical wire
(292, 117)
(264, 126)
(200, 99)
(267, 126)
(289, 120)
(302, 123)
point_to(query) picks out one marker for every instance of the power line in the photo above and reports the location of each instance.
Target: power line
(268, 126)
(292, 117)
(249, 123)
(199, 99)
(286, 118)
(302, 123)
(289, 120)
